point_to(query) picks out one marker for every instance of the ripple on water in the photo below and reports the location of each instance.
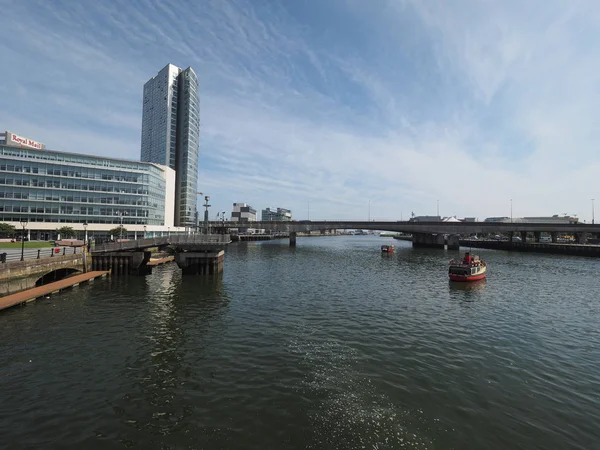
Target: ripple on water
(350, 412)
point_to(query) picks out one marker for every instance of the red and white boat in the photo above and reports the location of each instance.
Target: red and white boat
(470, 268)
(387, 248)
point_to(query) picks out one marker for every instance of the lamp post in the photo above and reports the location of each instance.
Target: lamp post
(145, 231)
(85, 237)
(438, 209)
(593, 221)
(23, 224)
(206, 206)
(511, 211)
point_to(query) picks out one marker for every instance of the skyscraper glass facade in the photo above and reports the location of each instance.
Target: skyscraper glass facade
(170, 133)
(51, 186)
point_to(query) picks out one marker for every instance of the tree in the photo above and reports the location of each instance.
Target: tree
(66, 232)
(7, 230)
(117, 231)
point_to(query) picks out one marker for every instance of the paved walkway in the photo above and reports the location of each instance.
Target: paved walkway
(50, 288)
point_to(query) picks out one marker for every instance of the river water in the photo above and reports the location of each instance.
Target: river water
(330, 345)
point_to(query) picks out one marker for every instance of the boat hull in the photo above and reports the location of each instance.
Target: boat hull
(454, 277)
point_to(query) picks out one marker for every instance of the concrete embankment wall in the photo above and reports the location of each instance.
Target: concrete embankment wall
(559, 249)
(17, 276)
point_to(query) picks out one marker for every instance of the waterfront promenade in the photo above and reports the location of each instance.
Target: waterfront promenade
(48, 289)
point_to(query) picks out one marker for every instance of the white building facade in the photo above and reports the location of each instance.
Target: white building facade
(47, 189)
(276, 214)
(242, 212)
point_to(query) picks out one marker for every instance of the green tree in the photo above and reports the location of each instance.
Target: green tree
(116, 232)
(7, 230)
(66, 232)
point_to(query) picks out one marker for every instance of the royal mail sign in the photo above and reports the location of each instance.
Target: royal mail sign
(20, 141)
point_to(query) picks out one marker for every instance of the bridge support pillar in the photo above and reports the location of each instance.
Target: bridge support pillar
(510, 236)
(523, 236)
(123, 263)
(428, 240)
(537, 235)
(453, 242)
(554, 236)
(293, 236)
(581, 238)
(200, 262)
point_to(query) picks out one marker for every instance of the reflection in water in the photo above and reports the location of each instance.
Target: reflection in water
(468, 286)
(162, 368)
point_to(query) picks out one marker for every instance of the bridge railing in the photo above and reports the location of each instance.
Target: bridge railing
(179, 239)
(14, 254)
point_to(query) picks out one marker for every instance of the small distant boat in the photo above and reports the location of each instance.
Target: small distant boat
(470, 268)
(387, 248)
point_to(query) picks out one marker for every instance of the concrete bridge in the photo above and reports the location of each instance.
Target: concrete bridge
(16, 276)
(194, 253)
(425, 234)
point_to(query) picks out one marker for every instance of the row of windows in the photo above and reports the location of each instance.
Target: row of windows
(10, 217)
(71, 210)
(51, 156)
(55, 184)
(73, 173)
(55, 197)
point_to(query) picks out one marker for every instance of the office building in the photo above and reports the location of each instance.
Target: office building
(276, 214)
(49, 189)
(242, 212)
(171, 133)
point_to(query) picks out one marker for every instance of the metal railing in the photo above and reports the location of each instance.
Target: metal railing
(178, 239)
(14, 254)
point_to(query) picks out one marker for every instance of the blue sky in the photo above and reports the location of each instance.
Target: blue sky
(334, 103)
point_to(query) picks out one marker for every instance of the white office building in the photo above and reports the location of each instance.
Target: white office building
(171, 133)
(242, 212)
(276, 214)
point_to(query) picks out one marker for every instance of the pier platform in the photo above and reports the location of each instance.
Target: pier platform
(47, 289)
(159, 261)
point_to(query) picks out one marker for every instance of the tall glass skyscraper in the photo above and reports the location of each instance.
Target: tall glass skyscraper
(171, 133)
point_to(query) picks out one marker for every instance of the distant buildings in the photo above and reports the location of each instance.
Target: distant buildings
(556, 219)
(242, 212)
(171, 133)
(279, 214)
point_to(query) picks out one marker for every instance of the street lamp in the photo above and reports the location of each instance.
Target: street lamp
(144, 231)
(121, 214)
(593, 212)
(85, 225)
(23, 224)
(206, 206)
(511, 211)
(438, 209)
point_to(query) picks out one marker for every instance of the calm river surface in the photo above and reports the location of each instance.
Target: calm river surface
(330, 345)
